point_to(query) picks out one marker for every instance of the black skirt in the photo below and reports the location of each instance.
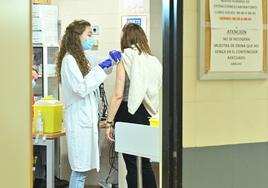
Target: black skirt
(141, 116)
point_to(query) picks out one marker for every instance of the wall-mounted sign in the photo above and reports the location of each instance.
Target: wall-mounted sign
(233, 39)
(236, 50)
(236, 13)
(133, 6)
(137, 19)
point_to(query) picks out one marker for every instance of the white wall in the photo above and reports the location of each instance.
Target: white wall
(15, 80)
(156, 44)
(219, 112)
(107, 15)
(156, 38)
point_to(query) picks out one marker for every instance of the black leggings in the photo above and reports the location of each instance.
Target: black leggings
(140, 117)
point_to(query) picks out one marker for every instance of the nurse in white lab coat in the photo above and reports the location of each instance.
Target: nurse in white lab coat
(80, 76)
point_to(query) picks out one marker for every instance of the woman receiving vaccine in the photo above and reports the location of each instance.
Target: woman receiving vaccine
(136, 95)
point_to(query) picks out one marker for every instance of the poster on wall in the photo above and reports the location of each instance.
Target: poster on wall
(236, 13)
(234, 38)
(236, 50)
(137, 19)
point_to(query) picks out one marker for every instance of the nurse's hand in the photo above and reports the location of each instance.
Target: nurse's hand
(115, 55)
(106, 64)
(110, 134)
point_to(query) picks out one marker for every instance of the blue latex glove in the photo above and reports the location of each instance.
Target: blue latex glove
(106, 63)
(115, 55)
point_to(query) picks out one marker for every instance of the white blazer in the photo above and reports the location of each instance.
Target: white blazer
(145, 75)
(81, 112)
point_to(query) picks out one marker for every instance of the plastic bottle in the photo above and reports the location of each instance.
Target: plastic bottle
(39, 123)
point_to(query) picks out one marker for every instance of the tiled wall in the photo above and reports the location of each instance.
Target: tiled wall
(219, 112)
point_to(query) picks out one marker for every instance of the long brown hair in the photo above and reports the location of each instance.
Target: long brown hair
(71, 43)
(133, 34)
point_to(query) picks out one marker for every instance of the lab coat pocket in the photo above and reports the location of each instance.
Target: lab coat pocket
(84, 117)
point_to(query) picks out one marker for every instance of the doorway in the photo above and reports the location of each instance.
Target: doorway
(172, 80)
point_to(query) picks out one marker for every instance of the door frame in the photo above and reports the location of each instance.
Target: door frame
(172, 129)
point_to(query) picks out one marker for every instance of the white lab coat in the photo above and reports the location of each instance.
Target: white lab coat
(81, 112)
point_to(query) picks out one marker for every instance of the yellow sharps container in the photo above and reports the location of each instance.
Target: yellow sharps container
(51, 110)
(154, 122)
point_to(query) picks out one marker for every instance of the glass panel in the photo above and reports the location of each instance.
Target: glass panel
(38, 65)
(51, 57)
(52, 54)
(53, 89)
(38, 89)
(38, 59)
(51, 66)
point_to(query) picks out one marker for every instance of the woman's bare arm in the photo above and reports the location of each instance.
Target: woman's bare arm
(117, 96)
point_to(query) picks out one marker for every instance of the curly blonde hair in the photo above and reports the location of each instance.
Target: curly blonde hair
(71, 43)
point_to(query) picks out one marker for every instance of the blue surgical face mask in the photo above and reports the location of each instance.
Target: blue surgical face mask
(88, 43)
(33, 83)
